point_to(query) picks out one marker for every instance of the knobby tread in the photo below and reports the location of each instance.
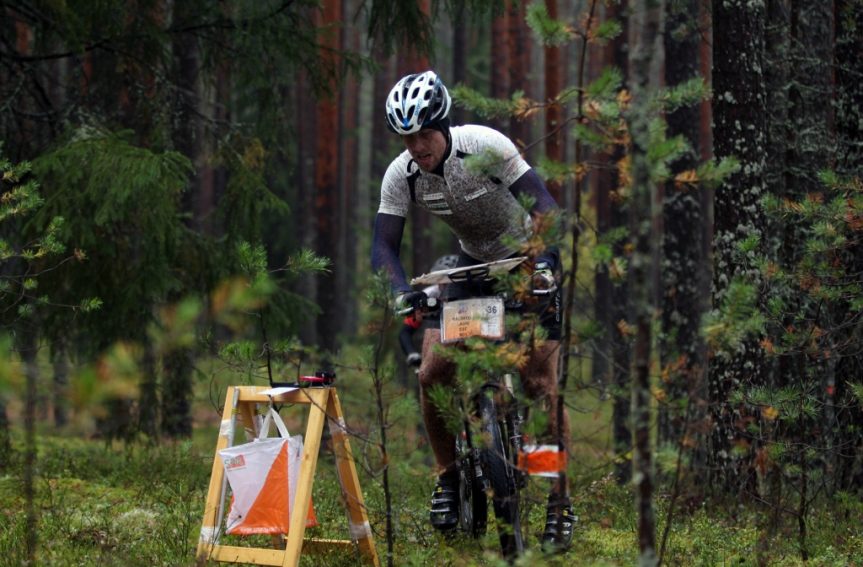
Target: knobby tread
(503, 485)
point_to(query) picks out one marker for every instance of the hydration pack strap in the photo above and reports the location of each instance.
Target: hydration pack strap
(412, 181)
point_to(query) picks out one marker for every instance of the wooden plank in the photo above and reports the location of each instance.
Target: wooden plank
(212, 509)
(352, 494)
(311, 448)
(246, 411)
(253, 555)
(263, 556)
(324, 542)
(298, 396)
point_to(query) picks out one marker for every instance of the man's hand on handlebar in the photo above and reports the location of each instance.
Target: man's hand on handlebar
(410, 301)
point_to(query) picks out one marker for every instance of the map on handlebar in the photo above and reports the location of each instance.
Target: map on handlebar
(469, 273)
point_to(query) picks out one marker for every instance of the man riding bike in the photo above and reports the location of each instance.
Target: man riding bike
(484, 212)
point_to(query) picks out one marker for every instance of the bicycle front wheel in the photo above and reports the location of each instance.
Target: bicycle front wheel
(473, 514)
(496, 462)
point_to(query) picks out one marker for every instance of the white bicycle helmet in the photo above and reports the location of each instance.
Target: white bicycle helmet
(416, 102)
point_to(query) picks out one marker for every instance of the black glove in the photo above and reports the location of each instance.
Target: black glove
(543, 280)
(410, 301)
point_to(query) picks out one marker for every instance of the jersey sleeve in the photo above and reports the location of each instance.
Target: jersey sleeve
(395, 199)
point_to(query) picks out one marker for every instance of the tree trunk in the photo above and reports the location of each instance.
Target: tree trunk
(810, 147)
(519, 43)
(382, 139)
(410, 61)
(28, 350)
(739, 99)
(327, 188)
(645, 26)
(500, 69)
(188, 139)
(612, 356)
(348, 205)
(684, 266)
(5, 439)
(215, 177)
(25, 133)
(177, 385)
(849, 123)
(60, 391)
(849, 95)
(306, 228)
(149, 406)
(459, 58)
(776, 77)
(555, 143)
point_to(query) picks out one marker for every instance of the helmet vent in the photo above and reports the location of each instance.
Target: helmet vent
(417, 101)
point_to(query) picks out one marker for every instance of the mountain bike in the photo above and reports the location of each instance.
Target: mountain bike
(488, 462)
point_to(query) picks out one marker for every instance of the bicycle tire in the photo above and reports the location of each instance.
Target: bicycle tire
(494, 455)
(473, 504)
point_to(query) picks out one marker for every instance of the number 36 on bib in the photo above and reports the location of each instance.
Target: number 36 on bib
(476, 317)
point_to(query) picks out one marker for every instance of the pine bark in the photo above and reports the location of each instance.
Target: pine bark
(849, 132)
(645, 35)
(554, 140)
(348, 204)
(306, 227)
(519, 50)
(177, 383)
(612, 351)
(740, 129)
(27, 347)
(459, 58)
(499, 45)
(326, 178)
(60, 378)
(685, 269)
(411, 61)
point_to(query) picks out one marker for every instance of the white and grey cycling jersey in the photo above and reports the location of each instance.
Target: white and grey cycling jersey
(480, 209)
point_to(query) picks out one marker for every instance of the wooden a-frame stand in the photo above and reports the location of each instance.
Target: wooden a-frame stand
(324, 406)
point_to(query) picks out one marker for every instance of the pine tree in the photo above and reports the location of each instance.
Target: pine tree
(739, 106)
(645, 27)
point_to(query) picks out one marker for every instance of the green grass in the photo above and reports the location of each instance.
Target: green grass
(105, 505)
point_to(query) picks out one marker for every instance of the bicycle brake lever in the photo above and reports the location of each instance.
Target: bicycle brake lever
(547, 291)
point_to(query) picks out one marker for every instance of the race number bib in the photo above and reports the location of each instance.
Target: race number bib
(477, 317)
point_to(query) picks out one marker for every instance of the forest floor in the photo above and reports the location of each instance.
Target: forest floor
(103, 504)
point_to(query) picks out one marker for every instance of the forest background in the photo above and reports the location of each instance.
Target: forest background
(188, 191)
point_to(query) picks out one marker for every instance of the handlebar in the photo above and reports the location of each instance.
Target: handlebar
(477, 272)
